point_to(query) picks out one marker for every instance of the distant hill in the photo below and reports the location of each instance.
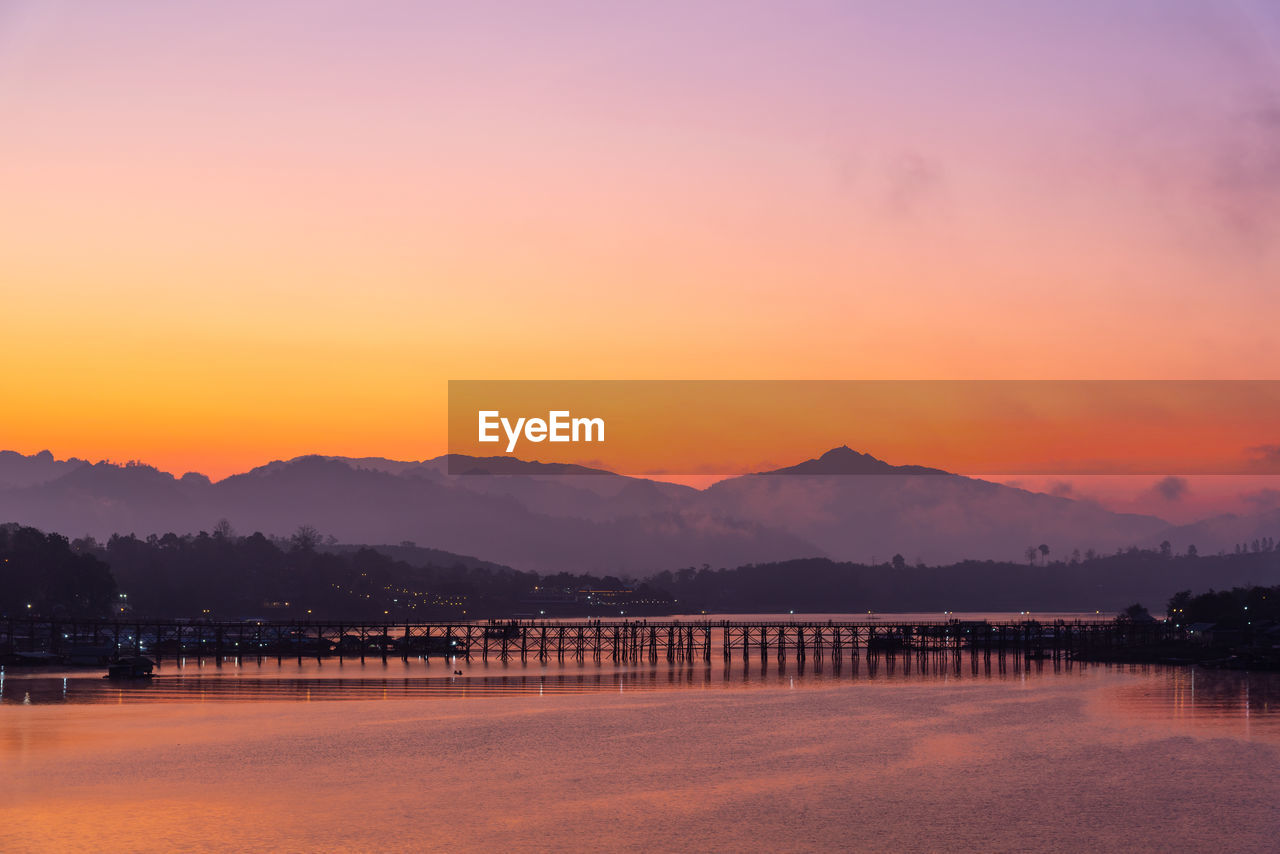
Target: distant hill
(1106, 584)
(1223, 533)
(856, 507)
(17, 470)
(845, 461)
(843, 505)
(355, 504)
(418, 556)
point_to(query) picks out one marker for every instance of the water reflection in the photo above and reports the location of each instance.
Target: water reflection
(233, 680)
(1140, 690)
(1197, 695)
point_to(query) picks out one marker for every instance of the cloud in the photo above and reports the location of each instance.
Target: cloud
(1243, 181)
(1062, 488)
(899, 186)
(1171, 488)
(1210, 168)
(913, 183)
(1268, 456)
(1264, 499)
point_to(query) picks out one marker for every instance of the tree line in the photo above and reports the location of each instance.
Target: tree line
(1237, 607)
(1105, 583)
(221, 575)
(40, 574)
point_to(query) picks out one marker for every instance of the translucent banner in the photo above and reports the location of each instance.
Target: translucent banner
(729, 427)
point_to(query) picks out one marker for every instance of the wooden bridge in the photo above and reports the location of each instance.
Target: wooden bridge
(630, 641)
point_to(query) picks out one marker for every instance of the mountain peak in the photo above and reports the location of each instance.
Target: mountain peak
(845, 460)
(17, 470)
(844, 452)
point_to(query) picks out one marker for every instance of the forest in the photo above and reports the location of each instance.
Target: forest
(225, 576)
(41, 575)
(1092, 582)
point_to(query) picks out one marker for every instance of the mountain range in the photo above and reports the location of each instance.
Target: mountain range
(843, 505)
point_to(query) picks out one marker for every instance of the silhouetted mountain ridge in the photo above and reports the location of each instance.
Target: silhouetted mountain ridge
(17, 470)
(845, 460)
(548, 517)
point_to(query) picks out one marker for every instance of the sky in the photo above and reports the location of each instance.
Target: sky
(244, 231)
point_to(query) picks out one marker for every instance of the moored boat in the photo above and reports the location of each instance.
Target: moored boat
(130, 667)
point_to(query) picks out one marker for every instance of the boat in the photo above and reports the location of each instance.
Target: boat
(130, 667)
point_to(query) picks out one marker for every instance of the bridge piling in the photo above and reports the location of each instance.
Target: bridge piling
(922, 645)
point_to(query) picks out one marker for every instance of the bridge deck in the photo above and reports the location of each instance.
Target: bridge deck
(616, 640)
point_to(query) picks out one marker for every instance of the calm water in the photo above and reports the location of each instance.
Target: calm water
(653, 758)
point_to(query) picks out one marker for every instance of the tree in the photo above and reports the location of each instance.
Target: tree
(306, 538)
(1192, 551)
(1044, 553)
(1166, 550)
(87, 543)
(41, 575)
(1135, 613)
(1031, 555)
(1178, 603)
(223, 530)
(899, 562)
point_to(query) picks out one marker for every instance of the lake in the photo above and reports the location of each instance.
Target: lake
(408, 756)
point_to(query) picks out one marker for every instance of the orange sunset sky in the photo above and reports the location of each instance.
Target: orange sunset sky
(237, 232)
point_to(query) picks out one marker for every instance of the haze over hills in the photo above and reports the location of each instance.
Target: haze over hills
(17, 470)
(844, 505)
(367, 504)
(852, 504)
